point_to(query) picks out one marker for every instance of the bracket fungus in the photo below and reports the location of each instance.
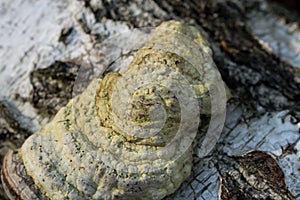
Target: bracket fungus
(130, 135)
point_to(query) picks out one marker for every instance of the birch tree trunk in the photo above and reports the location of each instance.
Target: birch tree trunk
(44, 45)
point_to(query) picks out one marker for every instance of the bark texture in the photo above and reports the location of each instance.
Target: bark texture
(47, 47)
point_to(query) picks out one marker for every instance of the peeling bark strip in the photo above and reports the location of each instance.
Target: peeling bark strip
(264, 77)
(255, 175)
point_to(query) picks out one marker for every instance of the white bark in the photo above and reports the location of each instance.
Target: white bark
(29, 39)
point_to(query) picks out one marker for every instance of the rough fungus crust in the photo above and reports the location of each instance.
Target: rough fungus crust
(131, 135)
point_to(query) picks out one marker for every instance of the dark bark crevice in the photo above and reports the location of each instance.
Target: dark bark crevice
(225, 23)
